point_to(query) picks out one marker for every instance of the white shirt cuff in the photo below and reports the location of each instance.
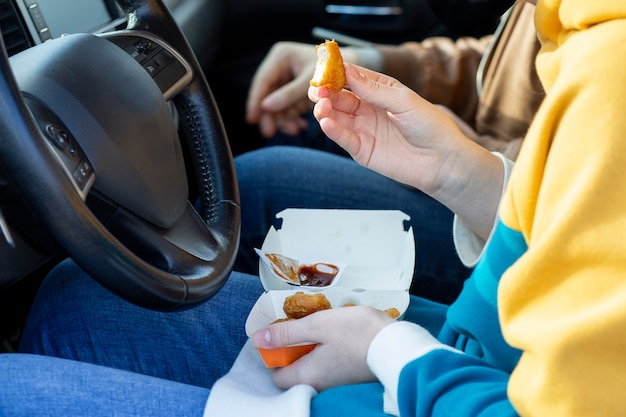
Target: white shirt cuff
(469, 246)
(393, 347)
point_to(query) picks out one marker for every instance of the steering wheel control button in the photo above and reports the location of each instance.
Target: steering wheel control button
(167, 68)
(61, 139)
(82, 173)
(143, 46)
(163, 58)
(139, 50)
(58, 136)
(155, 64)
(65, 147)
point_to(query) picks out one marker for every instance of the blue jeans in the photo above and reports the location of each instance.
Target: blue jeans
(279, 177)
(170, 356)
(105, 356)
(33, 386)
(73, 313)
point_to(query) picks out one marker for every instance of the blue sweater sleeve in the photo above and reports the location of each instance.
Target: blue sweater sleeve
(447, 383)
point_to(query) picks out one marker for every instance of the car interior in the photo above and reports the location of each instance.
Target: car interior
(103, 160)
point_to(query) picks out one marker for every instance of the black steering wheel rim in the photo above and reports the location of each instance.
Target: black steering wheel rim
(169, 281)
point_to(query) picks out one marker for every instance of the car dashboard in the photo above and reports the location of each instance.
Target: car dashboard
(26, 23)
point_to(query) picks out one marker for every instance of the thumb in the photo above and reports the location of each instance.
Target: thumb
(272, 337)
(287, 95)
(285, 333)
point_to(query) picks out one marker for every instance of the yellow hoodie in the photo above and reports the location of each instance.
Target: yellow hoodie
(563, 303)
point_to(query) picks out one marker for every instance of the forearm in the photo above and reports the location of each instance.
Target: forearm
(472, 187)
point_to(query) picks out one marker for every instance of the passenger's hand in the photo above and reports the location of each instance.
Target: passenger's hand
(343, 336)
(277, 98)
(389, 128)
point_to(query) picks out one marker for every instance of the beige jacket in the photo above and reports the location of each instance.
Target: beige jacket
(490, 83)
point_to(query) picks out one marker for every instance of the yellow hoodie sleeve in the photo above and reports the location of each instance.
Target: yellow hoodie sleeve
(564, 302)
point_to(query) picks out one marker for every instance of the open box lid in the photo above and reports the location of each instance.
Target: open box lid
(375, 245)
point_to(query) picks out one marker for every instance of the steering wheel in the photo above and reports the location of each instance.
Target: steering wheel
(102, 137)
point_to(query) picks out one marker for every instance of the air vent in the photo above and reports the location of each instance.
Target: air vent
(13, 32)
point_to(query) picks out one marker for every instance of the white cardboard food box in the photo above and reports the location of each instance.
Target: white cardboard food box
(376, 246)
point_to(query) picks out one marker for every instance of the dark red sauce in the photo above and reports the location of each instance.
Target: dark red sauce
(317, 275)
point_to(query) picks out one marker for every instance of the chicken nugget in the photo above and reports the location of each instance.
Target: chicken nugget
(329, 70)
(300, 305)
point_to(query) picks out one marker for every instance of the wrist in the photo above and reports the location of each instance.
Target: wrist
(469, 246)
(473, 187)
